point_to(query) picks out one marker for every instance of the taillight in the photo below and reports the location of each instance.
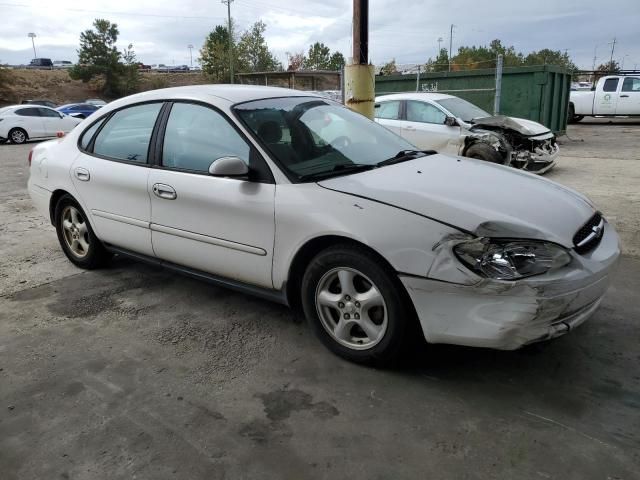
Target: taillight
(30, 155)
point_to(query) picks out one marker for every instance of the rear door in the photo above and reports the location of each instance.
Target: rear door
(425, 128)
(629, 100)
(111, 174)
(29, 119)
(224, 226)
(387, 113)
(606, 99)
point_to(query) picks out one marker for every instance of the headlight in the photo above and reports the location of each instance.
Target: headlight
(511, 260)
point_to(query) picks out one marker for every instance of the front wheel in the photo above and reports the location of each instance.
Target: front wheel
(76, 237)
(485, 152)
(356, 307)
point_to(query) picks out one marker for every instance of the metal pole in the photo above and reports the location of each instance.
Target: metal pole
(496, 100)
(613, 47)
(33, 43)
(190, 47)
(228, 4)
(450, 45)
(418, 80)
(359, 75)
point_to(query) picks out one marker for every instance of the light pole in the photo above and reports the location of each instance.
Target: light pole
(439, 47)
(622, 65)
(32, 35)
(228, 4)
(190, 47)
(450, 44)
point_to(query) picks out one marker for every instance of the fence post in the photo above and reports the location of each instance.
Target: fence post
(418, 80)
(496, 99)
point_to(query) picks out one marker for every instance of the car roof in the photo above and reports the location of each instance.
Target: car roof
(230, 93)
(414, 96)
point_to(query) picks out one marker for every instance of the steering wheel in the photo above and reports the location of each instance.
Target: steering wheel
(341, 142)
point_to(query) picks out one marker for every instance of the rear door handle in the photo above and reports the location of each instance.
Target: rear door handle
(162, 190)
(409, 128)
(624, 96)
(82, 174)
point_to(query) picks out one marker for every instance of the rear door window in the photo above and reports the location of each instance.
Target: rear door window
(631, 84)
(610, 85)
(127, 134)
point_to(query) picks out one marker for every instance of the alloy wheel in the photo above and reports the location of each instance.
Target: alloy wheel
(351, 308)
(18, 136)
(76, 233)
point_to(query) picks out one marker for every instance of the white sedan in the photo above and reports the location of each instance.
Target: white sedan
(297, 199)
(448, 124)
(20, 123)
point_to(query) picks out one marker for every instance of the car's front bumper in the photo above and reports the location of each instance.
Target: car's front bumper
(508, 315)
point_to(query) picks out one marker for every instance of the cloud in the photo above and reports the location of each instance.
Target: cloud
(406, 30)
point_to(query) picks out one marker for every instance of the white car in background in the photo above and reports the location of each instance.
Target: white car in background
(300, 200)
(21, 123)
(448, 124)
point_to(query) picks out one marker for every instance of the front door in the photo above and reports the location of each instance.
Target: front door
(629, 100)
(223, 226)
(111, 174)
(425, 128)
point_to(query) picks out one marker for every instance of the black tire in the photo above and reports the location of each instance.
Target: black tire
(485, 152)
(18, 136)
(572, 117)
(401, 322)
(95, 255)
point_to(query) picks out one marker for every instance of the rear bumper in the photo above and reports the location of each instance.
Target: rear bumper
(508, 315)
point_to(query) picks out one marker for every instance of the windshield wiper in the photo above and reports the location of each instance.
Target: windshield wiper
(338, 170)
(404, 155)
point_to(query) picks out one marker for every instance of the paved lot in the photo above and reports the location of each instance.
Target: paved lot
(134, 372)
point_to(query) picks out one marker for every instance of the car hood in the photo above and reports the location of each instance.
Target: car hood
(482, 198)
(523, 126)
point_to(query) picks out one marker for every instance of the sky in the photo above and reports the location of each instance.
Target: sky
(404, 30)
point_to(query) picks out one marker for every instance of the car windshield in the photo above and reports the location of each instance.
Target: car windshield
(462, 109)
(312, 138)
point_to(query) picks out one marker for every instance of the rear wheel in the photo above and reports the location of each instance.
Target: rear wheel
(18, 135)
(76, 237)
(356, 307)
(573, 118)
(485, 152)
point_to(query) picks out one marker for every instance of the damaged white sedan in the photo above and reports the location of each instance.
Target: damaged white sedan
(448, 124)
(299, 200)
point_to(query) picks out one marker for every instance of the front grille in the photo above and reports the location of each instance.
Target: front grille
(589, 235)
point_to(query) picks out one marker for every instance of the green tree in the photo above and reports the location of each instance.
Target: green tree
(336, 62)
(130, 78)
(389, 68)
(318, 58)
(440, 64)
(98, 56)
(609, 67)
(214, 54)
(253, 53)
(550, 57)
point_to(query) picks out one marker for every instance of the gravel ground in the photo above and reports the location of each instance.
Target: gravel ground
(135, 372)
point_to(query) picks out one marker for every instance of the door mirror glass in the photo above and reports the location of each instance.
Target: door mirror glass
(228, 167)
(450, 122)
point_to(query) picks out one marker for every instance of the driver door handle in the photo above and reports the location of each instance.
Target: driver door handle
(624, 96)
(162, 190)
(409, 127)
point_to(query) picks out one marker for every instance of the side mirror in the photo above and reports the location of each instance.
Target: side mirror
(62, 115)
(450, 122)
(228, 167)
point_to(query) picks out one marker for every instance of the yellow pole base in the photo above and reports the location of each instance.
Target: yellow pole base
(359, 85)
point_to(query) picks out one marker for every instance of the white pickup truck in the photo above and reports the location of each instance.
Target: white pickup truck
(612, 96)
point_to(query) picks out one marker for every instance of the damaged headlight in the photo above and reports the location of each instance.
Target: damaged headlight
(511, 260)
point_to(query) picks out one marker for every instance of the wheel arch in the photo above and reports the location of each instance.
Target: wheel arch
(55, 198)
(310, 249)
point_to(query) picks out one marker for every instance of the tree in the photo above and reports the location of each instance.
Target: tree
(389, 68)
(98, 56)
(130, 78)
(296, 61)
(336, 62)
(550, 57)
(318, 58)
(214, 54)
(440, 64)
(609, 67)
(253, 53)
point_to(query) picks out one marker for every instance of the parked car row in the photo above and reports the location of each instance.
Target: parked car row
(295, 198)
